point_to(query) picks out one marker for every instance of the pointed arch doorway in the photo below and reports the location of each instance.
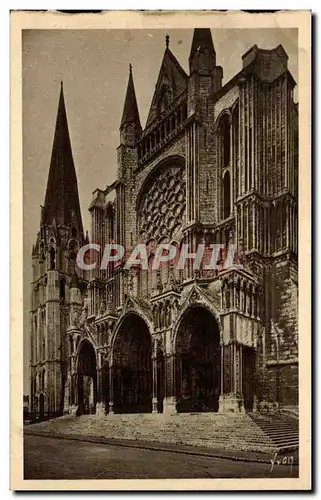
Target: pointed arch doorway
(132, 367)
(86, 378)
(198, 362)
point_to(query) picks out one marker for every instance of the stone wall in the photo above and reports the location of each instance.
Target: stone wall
(285, 309)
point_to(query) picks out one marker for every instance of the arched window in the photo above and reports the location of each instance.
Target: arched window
(152, 275)
(52, 258)
(226, 195)
(228, 296)
(245, 242)
(225, 131)
(110, 222)
(62, 289)
(235, 149)
(43, 380)
(42, 251)
(273, 229)
(74, 232)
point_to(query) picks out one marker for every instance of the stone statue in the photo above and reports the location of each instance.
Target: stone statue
(101, 308)
(110, 298)
(168, 315)
(84, 311)
(75, 317)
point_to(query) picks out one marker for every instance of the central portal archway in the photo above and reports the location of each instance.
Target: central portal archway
(198, 362)
(132, 367)
(87, 378)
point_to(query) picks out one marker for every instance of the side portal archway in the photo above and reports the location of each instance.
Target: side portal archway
(132, 367)
(198, 366)
(86, 378)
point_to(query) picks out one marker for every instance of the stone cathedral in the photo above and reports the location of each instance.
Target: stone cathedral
(214, 163)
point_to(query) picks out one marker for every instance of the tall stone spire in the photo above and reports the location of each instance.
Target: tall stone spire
(202, 38)
(130, 112)
(130, 132)
(202, 44)
(62, 200)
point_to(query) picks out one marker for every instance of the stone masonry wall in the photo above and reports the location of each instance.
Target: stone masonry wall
(285, 309)
(279, 373)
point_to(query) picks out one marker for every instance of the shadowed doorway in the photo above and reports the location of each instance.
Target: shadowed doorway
(87, 379)
(197, 366)
(132, 367)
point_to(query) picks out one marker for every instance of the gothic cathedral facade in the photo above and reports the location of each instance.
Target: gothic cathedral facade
(214, 164)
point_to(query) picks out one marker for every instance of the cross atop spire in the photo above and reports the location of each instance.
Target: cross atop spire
(167, 41)
(62, 200)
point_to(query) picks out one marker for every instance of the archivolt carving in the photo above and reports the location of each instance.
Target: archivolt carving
(162, 206)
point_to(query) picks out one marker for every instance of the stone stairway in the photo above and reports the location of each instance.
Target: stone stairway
(209, 430)
(282, 429)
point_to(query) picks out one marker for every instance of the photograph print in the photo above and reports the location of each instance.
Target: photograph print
(160, 252)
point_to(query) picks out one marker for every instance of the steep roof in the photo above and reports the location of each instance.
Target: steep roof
(202, 38)
(130, 111)
(171, 77)
(62, 200)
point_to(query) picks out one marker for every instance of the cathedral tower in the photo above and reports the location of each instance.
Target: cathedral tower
(130, 127)
(53, 258)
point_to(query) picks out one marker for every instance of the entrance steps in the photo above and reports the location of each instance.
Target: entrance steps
(211, 430)
(282, 429)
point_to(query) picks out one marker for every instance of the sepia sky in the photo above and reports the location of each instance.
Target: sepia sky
(93, 65)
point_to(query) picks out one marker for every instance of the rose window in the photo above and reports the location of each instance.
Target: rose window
(162, 206)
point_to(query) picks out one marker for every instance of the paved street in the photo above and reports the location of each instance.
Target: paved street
(52, 458)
